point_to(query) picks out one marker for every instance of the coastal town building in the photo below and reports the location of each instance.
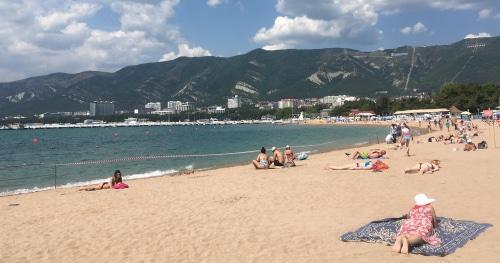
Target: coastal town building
(286, 103)
(102, 108)
(234, 102)
(338, 100)
(185, 106)
(155, 106)
(216, 109)
(173, 104)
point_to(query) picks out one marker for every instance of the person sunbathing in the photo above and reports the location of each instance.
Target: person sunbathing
(373, 154)
(262, 161)
(277, 159)
(369, 165)
(289, 157)
(470, 146)
(424, 168)
(418, 227)
(114, 182)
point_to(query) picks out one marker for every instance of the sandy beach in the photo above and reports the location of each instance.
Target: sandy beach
(239, 214)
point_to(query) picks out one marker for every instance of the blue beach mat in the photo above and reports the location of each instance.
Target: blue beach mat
(453, 233)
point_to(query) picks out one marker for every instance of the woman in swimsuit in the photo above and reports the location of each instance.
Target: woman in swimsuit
(113, 181)
(289, 156)
(423, 168)
(375, 165)
(262, 161)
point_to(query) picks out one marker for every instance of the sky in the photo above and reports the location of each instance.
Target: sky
(43, 37)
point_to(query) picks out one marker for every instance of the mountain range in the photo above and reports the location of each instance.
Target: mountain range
(262, 75)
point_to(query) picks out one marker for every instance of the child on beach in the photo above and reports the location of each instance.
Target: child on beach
(419, 226)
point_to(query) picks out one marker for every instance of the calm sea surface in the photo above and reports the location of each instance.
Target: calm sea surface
(28, 158)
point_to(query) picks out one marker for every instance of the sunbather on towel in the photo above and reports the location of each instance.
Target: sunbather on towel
(373, 154)
(419, 226)
(424, 168)
(369, 165)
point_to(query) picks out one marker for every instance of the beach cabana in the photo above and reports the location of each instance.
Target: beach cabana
(455, 111)
(422, 112)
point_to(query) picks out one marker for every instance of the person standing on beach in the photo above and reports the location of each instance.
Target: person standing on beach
(262, 161)
(406, 136)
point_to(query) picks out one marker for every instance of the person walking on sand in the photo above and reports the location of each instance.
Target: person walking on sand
(406, 136)
(262, 161)
(419, 226)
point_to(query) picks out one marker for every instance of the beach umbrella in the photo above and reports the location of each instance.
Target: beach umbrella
(465, 113)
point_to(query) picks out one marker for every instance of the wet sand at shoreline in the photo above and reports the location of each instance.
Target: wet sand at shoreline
(239, 214)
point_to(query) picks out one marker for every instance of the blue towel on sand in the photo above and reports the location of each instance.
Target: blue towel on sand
(453, 233)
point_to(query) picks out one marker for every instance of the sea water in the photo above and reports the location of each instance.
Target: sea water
(33, 160)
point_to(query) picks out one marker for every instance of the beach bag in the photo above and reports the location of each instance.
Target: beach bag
(302, 156)
(379, 166)
(482, 145)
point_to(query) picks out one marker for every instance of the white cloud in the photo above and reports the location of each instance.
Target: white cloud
(347, 21)
(488, 14)
(60, 18)
(214, 3)
(418, 28)
(478, 35)
(185, 51)
(485, 13)
(41, 37)
(278, 46)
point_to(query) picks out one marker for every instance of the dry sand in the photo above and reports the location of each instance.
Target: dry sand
(238, 214)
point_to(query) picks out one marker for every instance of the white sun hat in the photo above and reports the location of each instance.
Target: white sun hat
(273, 148)
(422, 199)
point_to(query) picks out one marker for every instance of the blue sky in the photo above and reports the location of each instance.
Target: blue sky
(42, 37)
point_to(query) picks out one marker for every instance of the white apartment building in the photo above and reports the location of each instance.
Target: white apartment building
(216, 109)
(336, 101)
(173, 104)
(155, 106)
(286, 103)
(185, 106)
(234, 102)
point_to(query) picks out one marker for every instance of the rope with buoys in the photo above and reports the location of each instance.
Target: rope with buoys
(173, 156)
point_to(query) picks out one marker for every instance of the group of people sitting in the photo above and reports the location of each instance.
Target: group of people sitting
(277, 159)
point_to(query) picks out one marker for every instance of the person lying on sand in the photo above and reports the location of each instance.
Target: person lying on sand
(376, 165)
(115, 182)
(373, 154)
(262, 161)
(419, 226)
(423, 168)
